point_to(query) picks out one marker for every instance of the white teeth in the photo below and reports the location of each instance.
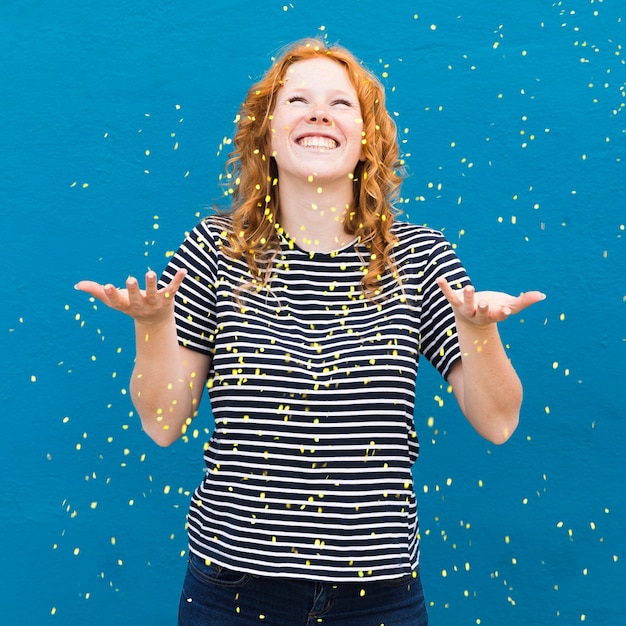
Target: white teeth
(318, 142)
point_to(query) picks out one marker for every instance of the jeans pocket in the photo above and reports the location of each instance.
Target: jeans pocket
(216, 574)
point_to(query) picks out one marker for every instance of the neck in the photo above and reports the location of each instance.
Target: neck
(312, 215)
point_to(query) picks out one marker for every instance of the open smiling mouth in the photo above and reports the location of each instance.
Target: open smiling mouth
(317, 142)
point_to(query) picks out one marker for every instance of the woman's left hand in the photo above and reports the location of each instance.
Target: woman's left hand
(482, 308)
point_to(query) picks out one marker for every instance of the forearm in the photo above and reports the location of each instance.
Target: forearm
(159, 387)
(491, 390)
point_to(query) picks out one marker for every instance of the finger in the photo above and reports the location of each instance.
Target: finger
(528, 298)
(532, 297)
(114, 298)
(134, 293)
(175, 283)
(470, 307)
(443, 284)
(91, 287)
(482, 310)
(151, 286)
(105, 293)
(450, 294)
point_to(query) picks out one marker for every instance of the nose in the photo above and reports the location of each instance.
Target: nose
(319, 114)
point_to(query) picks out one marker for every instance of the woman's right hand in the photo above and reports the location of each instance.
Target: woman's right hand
(148, 306)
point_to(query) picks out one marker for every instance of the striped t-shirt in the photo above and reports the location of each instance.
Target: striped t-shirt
(312, 390)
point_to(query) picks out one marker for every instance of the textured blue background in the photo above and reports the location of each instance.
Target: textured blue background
(115, 119)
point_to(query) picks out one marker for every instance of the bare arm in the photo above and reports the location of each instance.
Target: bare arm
(167, 382)
(168, 379)
(484, 382)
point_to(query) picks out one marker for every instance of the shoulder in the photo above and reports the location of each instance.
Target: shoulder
(219, 225)
(211, 232)
(406, 230)
(416, 238)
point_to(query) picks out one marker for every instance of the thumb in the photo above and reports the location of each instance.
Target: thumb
(528, 298)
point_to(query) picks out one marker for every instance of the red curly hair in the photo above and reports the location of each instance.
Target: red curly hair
(253, 180)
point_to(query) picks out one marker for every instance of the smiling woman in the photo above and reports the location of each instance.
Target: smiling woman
(316, 141)
(305, 310)
(358, 99)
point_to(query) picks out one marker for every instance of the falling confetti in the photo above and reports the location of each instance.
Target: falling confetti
(479, 174)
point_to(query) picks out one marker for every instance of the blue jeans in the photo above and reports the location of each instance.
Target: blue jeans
(215, 596)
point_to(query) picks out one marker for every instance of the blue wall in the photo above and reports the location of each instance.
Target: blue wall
(513, 118)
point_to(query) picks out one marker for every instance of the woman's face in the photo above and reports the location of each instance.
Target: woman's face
(316, 124)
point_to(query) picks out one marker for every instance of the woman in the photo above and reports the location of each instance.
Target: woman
(304, 310)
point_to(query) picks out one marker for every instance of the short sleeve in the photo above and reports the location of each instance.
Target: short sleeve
(438, 334)
(195, 300)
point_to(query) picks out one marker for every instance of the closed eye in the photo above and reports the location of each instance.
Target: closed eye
(338, 101)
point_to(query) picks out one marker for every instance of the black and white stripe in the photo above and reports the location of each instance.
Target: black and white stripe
(312, 390)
